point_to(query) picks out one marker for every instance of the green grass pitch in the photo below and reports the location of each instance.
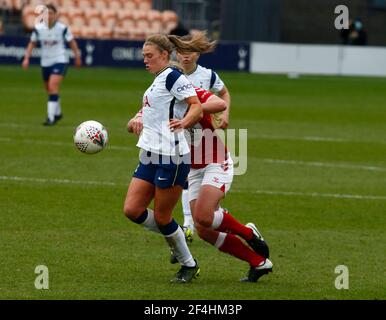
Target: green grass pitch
(315, 186)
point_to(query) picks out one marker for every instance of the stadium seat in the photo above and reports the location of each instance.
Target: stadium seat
(76, 31)
(155, 26)
(124, 29)
(143, 5)
(78, 21)
(125, 14)
(95, 21)
(72, 12)
(109, 17)
(100, 4)
(68, 3)
(168, 16)
(84, 4)
(104, 32)
(115, 5)
(6, 4)
(154, 15)
(129, 5)
(65, 19)
(139, 15)
(28, 17)
(18, 4)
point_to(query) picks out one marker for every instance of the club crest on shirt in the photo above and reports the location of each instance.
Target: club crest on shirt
(146, 102)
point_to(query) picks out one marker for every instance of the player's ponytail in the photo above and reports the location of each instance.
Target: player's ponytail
(193, 43)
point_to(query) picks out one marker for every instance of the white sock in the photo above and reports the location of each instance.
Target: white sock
(188, 219)
(220, 240)
(177, 243)
(150, 223)
(58, 110)
(217, 218)
(51, 108)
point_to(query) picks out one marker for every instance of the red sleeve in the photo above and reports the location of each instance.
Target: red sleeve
(203, 95)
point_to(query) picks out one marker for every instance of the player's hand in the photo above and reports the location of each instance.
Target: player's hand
(224, 121)
(25, 63)
(78, 62)
(176, 125)
(135, 125)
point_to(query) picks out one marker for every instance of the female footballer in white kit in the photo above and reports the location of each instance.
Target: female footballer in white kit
(170, 105)
(54, 59)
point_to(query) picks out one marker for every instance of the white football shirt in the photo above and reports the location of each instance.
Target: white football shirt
(206, 78)
(52, 41)
(162, 101)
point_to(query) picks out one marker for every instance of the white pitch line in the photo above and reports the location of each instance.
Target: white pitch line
(310, 138)
(59, 181)
(317, 195)
(266, 192)
(58, 143)
(250, 135)
(324, 164)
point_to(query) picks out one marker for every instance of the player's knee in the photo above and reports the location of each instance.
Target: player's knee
(202, 221)
(53, 88)
(131, 212)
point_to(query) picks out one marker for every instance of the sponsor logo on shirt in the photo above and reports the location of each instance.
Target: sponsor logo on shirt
(185, 87)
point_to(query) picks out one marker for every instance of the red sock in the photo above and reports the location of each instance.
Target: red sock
(235, 247)
(231, 225)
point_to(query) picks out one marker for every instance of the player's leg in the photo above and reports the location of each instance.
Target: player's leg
(169, 180)
(208, 199)
(188, 219)
(164, 202)
(53, 86)
(139, 195)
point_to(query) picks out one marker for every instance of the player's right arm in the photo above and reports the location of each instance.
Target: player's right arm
(28, 53)
(135, 124)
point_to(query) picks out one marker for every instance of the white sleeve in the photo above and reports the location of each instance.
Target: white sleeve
(68, 35)
(218, 84)
(183, 89)
(34, 35)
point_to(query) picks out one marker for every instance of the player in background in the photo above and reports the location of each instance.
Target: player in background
(170, 105)
(209, 80)
(54, 59)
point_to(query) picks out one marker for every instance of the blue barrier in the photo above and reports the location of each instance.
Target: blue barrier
(119, 53)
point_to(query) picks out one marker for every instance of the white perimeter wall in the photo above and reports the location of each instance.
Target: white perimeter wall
(318, 59)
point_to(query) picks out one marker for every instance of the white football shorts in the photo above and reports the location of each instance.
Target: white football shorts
(219, 175)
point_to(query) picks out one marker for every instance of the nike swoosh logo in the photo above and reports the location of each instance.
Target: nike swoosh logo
(159, 178)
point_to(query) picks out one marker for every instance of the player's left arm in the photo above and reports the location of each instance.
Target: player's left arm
(225, 95)
(193, 115)
(74, 47)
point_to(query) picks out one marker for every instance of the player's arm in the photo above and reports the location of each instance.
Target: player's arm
(135, 124)
(193, 115)
(28, 53)
(224, 95)
(213, 105)
(74, 47)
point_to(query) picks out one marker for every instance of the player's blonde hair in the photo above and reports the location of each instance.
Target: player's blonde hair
(196, 43)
